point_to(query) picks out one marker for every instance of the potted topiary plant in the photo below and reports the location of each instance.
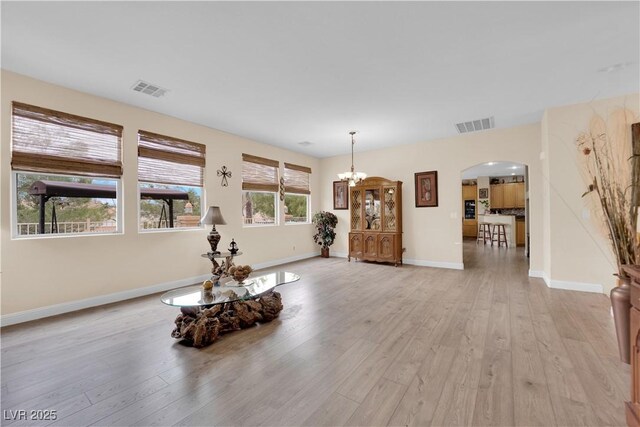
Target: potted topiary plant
(325, 223)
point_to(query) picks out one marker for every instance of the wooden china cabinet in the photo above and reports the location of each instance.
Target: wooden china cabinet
(376, 221)
(633, 406)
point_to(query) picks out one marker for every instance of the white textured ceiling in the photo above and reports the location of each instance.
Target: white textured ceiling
(286, 72)
(494, 169)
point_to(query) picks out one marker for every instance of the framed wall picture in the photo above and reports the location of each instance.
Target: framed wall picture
(483, 193)
(340, 195)
(426, 186)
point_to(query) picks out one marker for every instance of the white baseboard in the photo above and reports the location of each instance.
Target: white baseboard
(66, 307)
(567, 285)
(574, 286)
(419, 262)
(281, 261)
(435, 264)
(536, 273)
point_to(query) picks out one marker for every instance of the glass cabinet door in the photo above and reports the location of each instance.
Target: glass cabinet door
(356, 209)
(372, 209)
(389, 217)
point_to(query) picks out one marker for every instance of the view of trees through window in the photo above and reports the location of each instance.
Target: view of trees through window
(258, 208)
(295, 208)
(154, 213)
(73, 214)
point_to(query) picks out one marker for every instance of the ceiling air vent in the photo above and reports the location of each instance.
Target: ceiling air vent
(305, 143)
(475, 125)
(149, 89)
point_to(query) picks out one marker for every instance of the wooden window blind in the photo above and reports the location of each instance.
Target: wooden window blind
(259, 174)
(166, 160)
(296, 179)
(45, 140)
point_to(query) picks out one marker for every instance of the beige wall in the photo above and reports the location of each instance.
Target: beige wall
(46, 271)
(433, 236)
(42, 272)
(546, 188)
(577, 251)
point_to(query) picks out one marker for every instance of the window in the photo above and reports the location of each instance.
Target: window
(67, 172)
(296, 198)
(259, 190)
(171, 180)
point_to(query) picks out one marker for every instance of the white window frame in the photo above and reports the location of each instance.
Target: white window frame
(276, 210)
(308, 221)
(14, 209)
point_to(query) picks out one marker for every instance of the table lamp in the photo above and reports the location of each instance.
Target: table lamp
(213, 217)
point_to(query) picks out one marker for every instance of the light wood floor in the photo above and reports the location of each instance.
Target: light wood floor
(356, 344)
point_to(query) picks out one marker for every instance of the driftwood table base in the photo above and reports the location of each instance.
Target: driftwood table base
(201, 327)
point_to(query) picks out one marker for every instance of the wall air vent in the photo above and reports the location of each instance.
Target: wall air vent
(475, 125)
(149, 89)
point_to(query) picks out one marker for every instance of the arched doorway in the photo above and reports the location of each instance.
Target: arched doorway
(495, 214)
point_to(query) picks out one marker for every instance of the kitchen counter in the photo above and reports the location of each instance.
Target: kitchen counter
(509, 222)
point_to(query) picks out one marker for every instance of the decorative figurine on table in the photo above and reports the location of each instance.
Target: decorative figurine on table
(207, 285)
(233, 247)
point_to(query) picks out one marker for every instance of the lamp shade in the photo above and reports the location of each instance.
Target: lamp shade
(213, 217)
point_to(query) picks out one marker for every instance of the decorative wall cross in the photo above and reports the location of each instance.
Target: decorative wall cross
(224, 173)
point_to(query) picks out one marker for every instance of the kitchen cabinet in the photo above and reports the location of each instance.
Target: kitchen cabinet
(470, 230)
(469, 211)
(376, 221)
(520, 195)
(506, 196)
(509, 195)
(496, 196)
(521, 232)
(469, 192)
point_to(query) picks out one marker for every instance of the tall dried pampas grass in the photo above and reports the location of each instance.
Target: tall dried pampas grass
(612, 173)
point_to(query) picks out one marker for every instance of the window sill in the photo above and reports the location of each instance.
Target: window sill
(63, 235)
(297, 223)
(259, 225)
(169, 230)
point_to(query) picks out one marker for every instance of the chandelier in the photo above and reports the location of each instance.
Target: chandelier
(352, 177)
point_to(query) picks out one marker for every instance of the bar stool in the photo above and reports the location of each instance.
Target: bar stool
(501, 233)
(484, 232)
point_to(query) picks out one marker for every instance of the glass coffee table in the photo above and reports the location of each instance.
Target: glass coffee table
(205, 314)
